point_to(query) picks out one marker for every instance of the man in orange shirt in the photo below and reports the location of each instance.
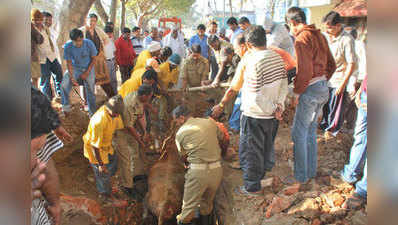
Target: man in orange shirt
(315, 66)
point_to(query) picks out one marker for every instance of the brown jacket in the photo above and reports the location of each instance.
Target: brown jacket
(36, 39)
(314, 58)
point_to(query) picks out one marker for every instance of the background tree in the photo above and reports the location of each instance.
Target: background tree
(145, 10)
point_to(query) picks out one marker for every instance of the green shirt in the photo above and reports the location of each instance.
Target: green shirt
(198, 139)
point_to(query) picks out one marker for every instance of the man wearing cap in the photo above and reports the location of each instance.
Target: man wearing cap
(168, 77)
(98, 144)
(125, 54)
(153, 50)
(128, 141)
(198, 142)
(175, 41)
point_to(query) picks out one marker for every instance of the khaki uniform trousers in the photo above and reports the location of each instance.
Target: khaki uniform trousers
(130, 162)
(199, 191)
(35, 69)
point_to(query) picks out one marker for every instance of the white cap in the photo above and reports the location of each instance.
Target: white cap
(154, 46)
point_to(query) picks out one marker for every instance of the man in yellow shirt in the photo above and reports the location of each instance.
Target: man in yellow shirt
(98, 144)
(149, 77)
(168, 77)
(169, 70)
(152, 51)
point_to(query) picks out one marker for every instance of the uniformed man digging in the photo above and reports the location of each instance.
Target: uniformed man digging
(197, 141)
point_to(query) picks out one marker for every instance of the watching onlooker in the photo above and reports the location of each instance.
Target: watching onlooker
(136, 39)
(79, 54)
(342, 46)
(201, 39)
(125, 54)
(232, 22)
(109, 50)
(315, 65)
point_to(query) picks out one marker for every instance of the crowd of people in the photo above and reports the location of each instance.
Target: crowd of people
(326, 73)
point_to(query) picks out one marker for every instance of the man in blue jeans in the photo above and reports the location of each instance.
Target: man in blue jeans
(358, 152)
(79, 54)
(315, 66)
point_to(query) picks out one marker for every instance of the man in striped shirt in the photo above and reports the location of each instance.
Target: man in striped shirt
(262, 78)
(46, 130)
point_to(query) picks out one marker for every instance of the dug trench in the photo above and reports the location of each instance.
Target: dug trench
(320, 202)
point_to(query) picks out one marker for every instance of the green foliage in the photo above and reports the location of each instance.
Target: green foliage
(159, 8)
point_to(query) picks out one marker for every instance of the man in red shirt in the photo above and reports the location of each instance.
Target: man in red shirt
(125, 54)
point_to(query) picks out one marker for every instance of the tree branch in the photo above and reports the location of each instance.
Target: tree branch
(101, 11)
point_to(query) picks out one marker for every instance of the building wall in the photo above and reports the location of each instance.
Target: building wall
(318, 12)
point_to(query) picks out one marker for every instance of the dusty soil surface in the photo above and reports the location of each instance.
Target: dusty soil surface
(320, 202)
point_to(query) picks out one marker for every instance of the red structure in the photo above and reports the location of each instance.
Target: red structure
(352, 8)
(163, 21)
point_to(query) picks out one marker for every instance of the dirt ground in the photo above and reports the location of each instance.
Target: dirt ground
(320, 203)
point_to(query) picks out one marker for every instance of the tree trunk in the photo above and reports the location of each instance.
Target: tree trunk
(73, 14)
(123, 15)
(112, 13)
(101, 11)
(230, 8)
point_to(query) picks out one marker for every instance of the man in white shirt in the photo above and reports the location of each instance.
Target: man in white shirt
(278, 36)
(109, 51)
(48, 59)
(175, 41)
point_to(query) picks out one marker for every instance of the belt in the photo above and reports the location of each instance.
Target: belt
(203, 166)
(110, 59)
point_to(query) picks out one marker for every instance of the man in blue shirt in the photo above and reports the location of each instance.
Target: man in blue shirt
(201, 39)
(153, 37)
(232, 23)
(79, 54)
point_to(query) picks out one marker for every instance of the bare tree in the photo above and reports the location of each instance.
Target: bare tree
(101, 11)
(123, 14)
(73, 14)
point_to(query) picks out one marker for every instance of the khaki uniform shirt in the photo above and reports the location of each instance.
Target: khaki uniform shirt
(198, 139)
(343, 51)
(133, 109)
(195, 71)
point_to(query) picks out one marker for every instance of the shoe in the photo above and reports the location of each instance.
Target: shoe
(241, 190)
(85, 108)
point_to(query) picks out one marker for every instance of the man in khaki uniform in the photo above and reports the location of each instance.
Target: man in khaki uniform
(197, 141)
(195, 70)
(195, 73)
(128, 141)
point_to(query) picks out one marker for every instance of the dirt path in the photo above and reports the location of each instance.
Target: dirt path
(319, 203)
